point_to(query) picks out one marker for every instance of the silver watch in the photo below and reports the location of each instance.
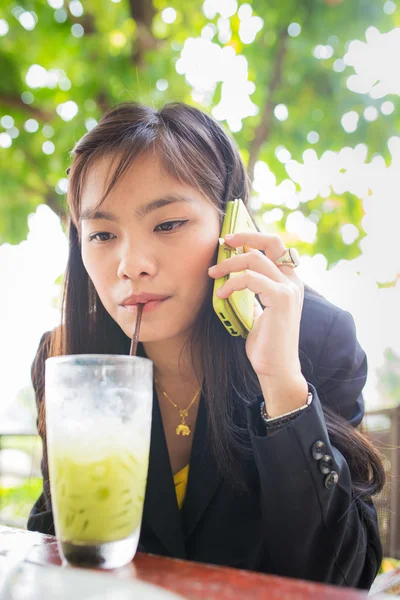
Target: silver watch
(286, 416)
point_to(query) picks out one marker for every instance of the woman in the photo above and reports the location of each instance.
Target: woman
(250, 486)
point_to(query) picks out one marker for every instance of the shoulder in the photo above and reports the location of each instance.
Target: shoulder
(331, 356)
(319, 317)
(326, 331)
(318, 312)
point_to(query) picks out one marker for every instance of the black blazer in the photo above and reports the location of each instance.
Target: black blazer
(289, 523)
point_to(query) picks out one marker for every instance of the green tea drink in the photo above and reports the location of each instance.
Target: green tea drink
(98, 424)
(99, 500)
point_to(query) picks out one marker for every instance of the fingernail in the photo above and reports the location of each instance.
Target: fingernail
(219, 292)
(229, 235)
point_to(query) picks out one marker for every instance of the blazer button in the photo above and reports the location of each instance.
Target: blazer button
(331, 479)
(318, 450)
(326, 464)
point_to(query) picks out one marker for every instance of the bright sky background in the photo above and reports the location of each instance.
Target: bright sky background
(28, 271)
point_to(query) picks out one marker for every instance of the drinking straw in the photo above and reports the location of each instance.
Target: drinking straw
(135, 337)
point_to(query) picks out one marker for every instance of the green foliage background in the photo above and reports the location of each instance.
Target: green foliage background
(126, 48)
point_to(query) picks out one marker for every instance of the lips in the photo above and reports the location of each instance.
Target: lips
(147, 306)
(143, 298)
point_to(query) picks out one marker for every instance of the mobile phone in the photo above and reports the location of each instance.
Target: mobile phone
(236, 312)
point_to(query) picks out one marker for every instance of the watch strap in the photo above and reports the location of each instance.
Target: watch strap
(285, 417)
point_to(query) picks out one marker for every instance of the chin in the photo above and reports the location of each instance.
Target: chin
(160, 335)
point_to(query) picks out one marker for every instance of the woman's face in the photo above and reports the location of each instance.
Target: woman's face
(131, 246)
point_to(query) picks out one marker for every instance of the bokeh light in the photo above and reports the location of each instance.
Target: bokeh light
(313, 137)
(48, 147)
(281, 112)
(76, 8)
(77, 30)
(226, 8)
(7, 121)
(28, 19)
(162, 85)
(68, 110)
(27, 97)
(5, 140)
(3, 27)
(350, 121)
(323, 52)
(55, 3)
(371, 113)
(389, 7)
(387, 107)
(294, 29)
(60, 15)
(31, 125)
(168, 15)
(376, 71)
(90, 123)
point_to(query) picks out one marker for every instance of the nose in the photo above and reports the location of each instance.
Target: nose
(136, 262)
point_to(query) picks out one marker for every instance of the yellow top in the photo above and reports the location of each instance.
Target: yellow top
(180, 480)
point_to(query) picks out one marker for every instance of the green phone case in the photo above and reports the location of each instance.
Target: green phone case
(236, 312)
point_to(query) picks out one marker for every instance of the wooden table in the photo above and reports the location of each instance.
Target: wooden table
(188, 579)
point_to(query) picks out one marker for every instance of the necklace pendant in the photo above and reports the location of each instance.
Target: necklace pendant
(183, 429)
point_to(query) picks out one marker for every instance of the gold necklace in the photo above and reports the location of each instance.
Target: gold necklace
(183, 428)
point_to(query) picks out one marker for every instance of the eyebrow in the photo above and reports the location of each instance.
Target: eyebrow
(141, 211)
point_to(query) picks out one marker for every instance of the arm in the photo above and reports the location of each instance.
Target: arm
(313, 531)
(41, 515)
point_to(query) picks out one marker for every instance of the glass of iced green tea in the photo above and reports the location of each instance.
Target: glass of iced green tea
(98, 424)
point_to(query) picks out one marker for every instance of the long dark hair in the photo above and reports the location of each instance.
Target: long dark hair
(196, 150)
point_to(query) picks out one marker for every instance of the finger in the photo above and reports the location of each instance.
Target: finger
(271, 244)
(288, 293)
(255, 282)
(253, 260)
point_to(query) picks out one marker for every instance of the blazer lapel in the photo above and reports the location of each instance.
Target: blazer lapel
(161, 512)
(204, 478)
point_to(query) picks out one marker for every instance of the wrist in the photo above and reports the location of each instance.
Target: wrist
(281, 397)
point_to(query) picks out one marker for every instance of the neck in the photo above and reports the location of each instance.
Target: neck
(170, 363)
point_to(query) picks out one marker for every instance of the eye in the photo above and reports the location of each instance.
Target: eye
(101, 237)
(171, 225)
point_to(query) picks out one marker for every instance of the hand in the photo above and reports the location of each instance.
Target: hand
(272, 345)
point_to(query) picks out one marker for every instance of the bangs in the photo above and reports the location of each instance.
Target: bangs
(189, 145)
(170, 155)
